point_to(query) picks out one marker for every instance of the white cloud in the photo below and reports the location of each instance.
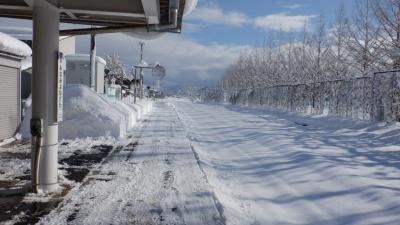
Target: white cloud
(215, 15)
(187, 61)
(293, 6)
(283, 22)
(193, 27)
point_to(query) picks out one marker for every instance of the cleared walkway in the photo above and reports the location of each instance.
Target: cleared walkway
(150, 178)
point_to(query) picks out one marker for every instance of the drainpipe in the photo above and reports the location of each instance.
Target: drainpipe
(173, 18)
(173, 12)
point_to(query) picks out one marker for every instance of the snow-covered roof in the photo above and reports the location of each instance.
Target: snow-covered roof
(65, 37)
(142, 63)
(84, 57)
(13, 46)
(26, 63)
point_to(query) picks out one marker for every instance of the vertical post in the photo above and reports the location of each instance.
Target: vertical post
(141, 83)
(135, 89)
(93, 82)
(44, 91)
(141, 43)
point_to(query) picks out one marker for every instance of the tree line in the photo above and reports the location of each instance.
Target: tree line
(356, 44)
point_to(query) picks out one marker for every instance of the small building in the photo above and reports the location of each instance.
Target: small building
(113, 91)
(12, 52)
(66, 46)
(78, 71)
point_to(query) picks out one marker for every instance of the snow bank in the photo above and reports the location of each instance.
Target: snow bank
(87, 114)
(14, 46)
(7, 141)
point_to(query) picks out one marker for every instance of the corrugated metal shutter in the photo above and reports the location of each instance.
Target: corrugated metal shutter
(9, 101)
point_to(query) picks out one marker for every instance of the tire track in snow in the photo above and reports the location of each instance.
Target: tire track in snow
(217, 203)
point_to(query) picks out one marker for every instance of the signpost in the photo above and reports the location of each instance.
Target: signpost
(60, 86)
(158, 74)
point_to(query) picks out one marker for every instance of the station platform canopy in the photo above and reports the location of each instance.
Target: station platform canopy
(109, 16)
(140, 18)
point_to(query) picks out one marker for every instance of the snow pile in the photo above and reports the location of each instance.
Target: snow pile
(14, 46)
(87, 114)
(7, 141)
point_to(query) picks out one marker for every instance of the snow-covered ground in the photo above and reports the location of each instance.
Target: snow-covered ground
(151, 177)
(268, 167)
(188, 163)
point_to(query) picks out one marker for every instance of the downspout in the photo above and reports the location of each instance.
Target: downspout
(173, 18)
(37, 131)
(173, 12)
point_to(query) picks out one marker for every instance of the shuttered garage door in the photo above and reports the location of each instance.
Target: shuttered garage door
(9, 113)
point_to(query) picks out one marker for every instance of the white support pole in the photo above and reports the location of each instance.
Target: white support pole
(93, 62)
(44, 90)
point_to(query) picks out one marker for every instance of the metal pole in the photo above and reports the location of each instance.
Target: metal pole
(135, 91)
(141, 50)
(46, 21)
(141, 83)
(141, 43)
(93, 62)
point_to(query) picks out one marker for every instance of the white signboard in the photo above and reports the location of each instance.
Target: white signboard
(60, 86)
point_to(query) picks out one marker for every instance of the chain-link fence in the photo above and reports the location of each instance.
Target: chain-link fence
(365, 98)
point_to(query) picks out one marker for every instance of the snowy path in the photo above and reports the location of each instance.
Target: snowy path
(274, 168)
(152, 177)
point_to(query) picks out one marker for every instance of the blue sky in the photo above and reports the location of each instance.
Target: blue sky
(213, 36)
(246, 32)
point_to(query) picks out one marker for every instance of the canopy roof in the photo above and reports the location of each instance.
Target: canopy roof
(107, 13)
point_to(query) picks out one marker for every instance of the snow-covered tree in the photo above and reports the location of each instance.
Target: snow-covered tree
(115, 67)
(340, 64)
(363, 44)
(388, 15)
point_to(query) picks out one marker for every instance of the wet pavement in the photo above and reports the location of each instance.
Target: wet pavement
(15, 203)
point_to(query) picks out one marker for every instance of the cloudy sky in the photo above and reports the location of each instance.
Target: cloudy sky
(213, 36)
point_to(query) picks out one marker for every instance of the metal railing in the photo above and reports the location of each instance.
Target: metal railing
(374, 98)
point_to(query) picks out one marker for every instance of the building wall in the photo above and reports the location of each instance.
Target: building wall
(26, 80)
(67, 45)
(10, 99)
(78, 72)
(100, 78)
